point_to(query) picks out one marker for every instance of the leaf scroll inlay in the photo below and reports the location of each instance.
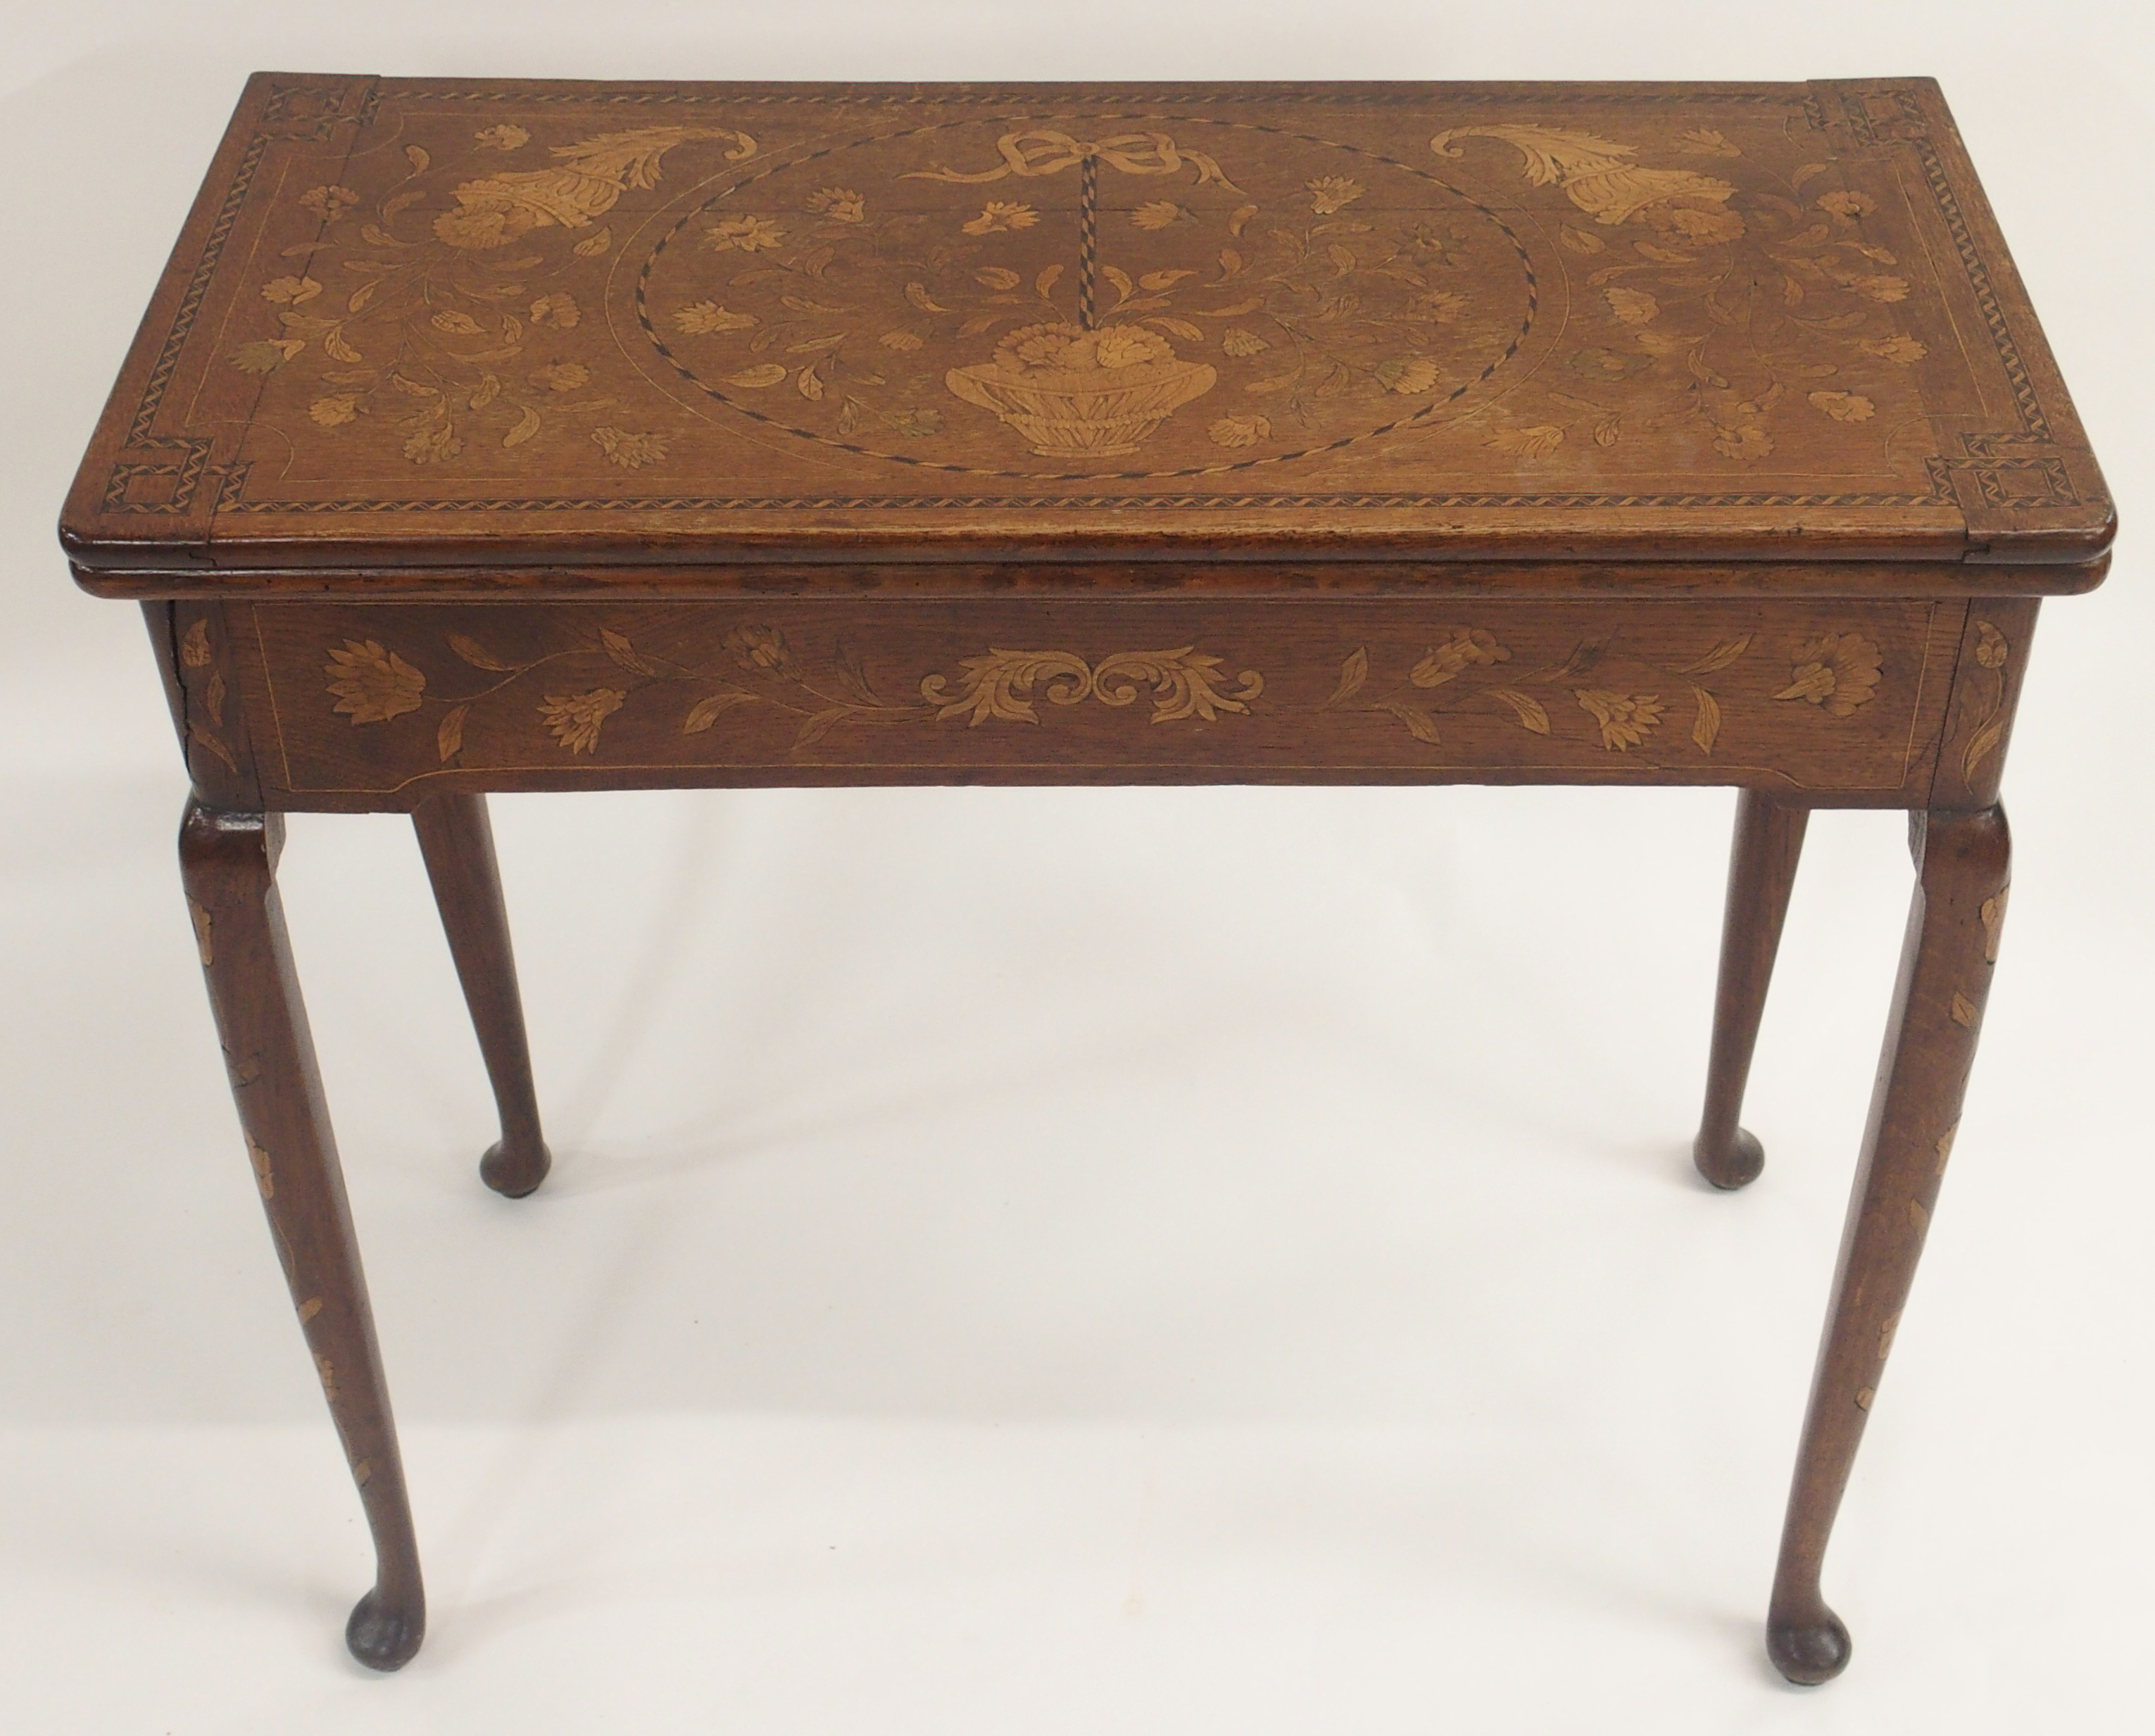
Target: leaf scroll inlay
(570, 693)
(1993, 924)
(449, 738)
(1000, 684)
(1992, 652)
(1706, 725)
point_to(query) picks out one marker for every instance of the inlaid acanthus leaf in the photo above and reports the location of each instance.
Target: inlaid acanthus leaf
(1001, 685)
(1723, 654)
(1420, 724)
(1525, 707)
(705, 712)
(820, 725)
(1706, 726)
(202, 738)
(1981, 744)
(477, 655)
(449, 739)
(1181, 681)
(1353, 674)
(618, 647)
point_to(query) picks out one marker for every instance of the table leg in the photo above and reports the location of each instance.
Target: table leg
(1964, 863)
(227, 863)
(456, 840)
(1761, 869)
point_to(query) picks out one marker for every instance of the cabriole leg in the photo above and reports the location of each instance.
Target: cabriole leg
(227, 863)
(1761, 869)
(456, 840)
(1964, 863)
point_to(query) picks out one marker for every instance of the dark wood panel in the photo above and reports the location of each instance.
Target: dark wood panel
(377, 706)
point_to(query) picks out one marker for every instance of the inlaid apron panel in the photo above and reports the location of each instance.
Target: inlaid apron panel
(360, 701)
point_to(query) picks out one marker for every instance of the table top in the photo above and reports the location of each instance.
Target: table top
(420, 324)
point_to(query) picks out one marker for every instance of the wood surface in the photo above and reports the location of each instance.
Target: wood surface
(456, 838)
(1762, 872)
(484, 323)
(922, 581)
(229, 865)
(337, 705)
(492, 435)
(1964, 868)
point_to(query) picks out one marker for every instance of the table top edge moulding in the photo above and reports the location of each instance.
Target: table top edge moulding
(442, 325)
(492, 436)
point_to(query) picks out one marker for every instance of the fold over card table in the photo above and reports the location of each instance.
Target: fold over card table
(535, 436)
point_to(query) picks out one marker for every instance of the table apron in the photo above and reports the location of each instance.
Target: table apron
(339, 705)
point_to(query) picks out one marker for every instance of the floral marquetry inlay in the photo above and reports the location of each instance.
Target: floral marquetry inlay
(1000, 684)
(453, 324)
(1992, 652)
(1310, 292)
(370, 684)
(1314, 316)
(703, 681)
(1843, 666)
(1077, 310)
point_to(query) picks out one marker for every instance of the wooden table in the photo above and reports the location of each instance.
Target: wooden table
(499, 436)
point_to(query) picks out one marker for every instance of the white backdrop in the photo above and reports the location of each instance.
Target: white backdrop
(1146, 1261)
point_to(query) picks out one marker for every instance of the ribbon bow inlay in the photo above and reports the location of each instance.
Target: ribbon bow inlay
(1042, 152)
